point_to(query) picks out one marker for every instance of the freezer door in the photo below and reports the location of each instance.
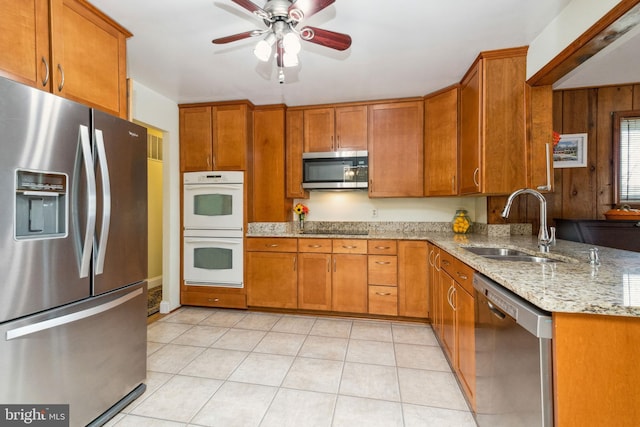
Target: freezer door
(120, 251)
(41, 132)
(89, 354)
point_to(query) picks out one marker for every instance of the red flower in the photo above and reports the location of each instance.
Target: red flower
(556, 138)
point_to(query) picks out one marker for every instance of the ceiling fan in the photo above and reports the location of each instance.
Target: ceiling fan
(282, 18)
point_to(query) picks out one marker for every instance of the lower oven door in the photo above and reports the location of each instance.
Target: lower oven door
(213, 261)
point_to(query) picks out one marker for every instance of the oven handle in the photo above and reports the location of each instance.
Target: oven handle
(233, 241)
(212, 186)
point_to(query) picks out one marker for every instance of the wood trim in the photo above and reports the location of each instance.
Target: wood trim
(443, 90)
(620, 20)
(616, 116)
(353, 104)
(218, 104)
(105, 17)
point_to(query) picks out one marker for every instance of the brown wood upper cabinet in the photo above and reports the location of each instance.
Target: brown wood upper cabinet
(441, 142)
(67, 47)
(294, 146)
(335, 128)
(396, 147)
(215, 136)
(492, 156)
(267, 202)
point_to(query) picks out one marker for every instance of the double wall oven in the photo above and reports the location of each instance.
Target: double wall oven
(213, 226)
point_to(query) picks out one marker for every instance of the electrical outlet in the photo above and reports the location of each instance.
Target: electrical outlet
(374, 213)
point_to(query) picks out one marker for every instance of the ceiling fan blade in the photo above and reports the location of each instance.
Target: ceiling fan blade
(308, 8)
(251, 7)
(326, 38)
(233, 38)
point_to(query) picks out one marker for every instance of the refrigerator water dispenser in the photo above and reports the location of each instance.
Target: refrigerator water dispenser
(40, 205)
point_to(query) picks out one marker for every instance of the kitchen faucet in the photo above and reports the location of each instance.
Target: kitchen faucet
(544, 239)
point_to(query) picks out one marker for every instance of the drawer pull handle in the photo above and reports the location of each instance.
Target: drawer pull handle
(272, 245)
(349, 246)
(314, 246)
(383, 294)
(445, 263)
(214, 299)
(462, 276)
(383, 247)
(383, 262)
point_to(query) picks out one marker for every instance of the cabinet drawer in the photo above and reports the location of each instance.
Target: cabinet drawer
(447, 263)
(349, 246)
(382, 247)
(383, 270)
(463, 274)
(214, 299)
(314, 245)
(272, 244)
(383, 300)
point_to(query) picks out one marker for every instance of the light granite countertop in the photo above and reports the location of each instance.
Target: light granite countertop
(571, 285)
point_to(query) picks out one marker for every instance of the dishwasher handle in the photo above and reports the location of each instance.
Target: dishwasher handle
(500, 315)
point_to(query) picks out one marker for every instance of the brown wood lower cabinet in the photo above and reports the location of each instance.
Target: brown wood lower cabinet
(314, 274)
(457, 317)
(596, 370)
(272, 272)
(413, 289)
(349, 283)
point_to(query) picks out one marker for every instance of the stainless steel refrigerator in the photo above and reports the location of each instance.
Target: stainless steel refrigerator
(73, 255)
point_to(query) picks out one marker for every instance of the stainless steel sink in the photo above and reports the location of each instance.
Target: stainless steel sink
(485, 251)
(507, 254)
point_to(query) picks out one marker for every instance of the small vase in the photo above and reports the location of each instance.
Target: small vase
(461, 223)
(301, 223)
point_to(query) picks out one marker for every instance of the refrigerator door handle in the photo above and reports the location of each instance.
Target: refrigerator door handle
(84, 246)
(69, 318)
(106, 202)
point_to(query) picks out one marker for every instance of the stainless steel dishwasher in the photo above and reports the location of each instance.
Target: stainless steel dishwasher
(513, 359)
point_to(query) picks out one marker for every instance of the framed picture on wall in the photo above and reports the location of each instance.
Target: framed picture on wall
(571, 151)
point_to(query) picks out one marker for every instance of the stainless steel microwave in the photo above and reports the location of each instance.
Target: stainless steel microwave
(335, 170)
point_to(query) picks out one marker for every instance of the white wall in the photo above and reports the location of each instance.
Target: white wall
(357, 206)
(577, 17)
(155, 110)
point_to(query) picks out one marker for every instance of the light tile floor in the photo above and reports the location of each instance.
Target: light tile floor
(217, 367)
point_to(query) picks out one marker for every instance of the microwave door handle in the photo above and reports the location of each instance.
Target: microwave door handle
(106, 203)
(83, 245)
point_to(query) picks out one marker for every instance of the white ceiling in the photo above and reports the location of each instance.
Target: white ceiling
(400, 48)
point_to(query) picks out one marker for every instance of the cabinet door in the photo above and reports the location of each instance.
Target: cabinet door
(294, 148)
(383, 300)
(383, 270)
(349, 283)
(88, 57)
(195, 139)
(413, 290)
(314, 281)
(470, 110)
(268, 203)
(441, 144)
(466, 344)
(319, 130)
(435, 299)
(396, 149)
(351, 128)
(25, 42)
(272, 279)
(230, 137)
(448, 295)
(540, 136)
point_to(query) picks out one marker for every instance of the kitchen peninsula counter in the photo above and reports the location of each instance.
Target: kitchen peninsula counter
(570, 285)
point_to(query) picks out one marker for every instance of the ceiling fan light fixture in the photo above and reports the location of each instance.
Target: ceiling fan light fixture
(263, 50)
(291, 43)
(290, 59)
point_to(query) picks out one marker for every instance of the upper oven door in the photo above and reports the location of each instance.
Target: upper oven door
(213, 207)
